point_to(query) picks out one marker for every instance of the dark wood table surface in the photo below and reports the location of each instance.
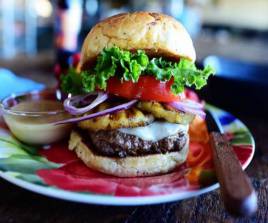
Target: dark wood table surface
(19, 205)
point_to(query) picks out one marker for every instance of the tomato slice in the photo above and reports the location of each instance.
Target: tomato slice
(147, 88)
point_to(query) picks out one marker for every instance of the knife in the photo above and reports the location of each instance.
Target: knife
(236, 189)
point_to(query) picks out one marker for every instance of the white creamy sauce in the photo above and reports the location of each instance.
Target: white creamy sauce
(156, 130)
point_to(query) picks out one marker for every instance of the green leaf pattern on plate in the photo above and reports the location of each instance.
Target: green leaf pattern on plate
(20, 160)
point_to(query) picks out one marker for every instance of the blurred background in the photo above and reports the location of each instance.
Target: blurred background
(36, 36)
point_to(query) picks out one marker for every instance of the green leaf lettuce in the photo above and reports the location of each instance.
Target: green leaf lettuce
(129, 66)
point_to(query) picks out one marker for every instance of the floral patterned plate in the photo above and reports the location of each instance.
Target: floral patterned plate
(56, 172)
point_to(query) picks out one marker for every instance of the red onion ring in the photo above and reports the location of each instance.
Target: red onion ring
(188, 109)
(69, 103)
(192, 104)
(98, 114)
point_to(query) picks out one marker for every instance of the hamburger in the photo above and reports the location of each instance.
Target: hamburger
(128, 96)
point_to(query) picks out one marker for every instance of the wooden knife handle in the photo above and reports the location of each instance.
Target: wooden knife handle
(237, 191)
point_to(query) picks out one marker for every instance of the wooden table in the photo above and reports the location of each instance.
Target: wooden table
(19, 205)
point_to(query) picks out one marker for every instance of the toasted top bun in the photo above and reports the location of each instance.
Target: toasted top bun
(156, 33)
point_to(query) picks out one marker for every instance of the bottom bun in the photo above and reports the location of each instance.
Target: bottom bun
(131, 166)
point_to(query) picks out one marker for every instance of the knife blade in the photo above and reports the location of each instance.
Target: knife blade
(237, 192)
(213, 123)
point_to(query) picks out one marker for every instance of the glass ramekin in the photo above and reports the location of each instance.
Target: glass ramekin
(35, 127)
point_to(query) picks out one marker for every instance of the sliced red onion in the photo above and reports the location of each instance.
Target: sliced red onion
(191, 104)
(98, 114)
(69, 103)
(183, 107)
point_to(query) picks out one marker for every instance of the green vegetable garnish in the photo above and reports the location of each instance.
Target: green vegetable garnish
(128, 66)
(71, 82)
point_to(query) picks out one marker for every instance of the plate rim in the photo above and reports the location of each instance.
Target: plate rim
(105, 199)
(102, 199)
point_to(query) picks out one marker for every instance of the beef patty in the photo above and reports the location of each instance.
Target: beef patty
(117, 144)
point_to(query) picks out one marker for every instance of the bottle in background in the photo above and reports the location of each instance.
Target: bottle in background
(67, 28)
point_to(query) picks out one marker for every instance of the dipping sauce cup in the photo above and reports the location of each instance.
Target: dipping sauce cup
(31, 116)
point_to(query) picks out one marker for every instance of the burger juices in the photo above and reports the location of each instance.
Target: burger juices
(128, 95)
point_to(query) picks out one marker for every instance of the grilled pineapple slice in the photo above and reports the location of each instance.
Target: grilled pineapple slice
(129, 118)
(165, 112)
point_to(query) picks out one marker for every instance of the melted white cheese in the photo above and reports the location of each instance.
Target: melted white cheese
(156, 130)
